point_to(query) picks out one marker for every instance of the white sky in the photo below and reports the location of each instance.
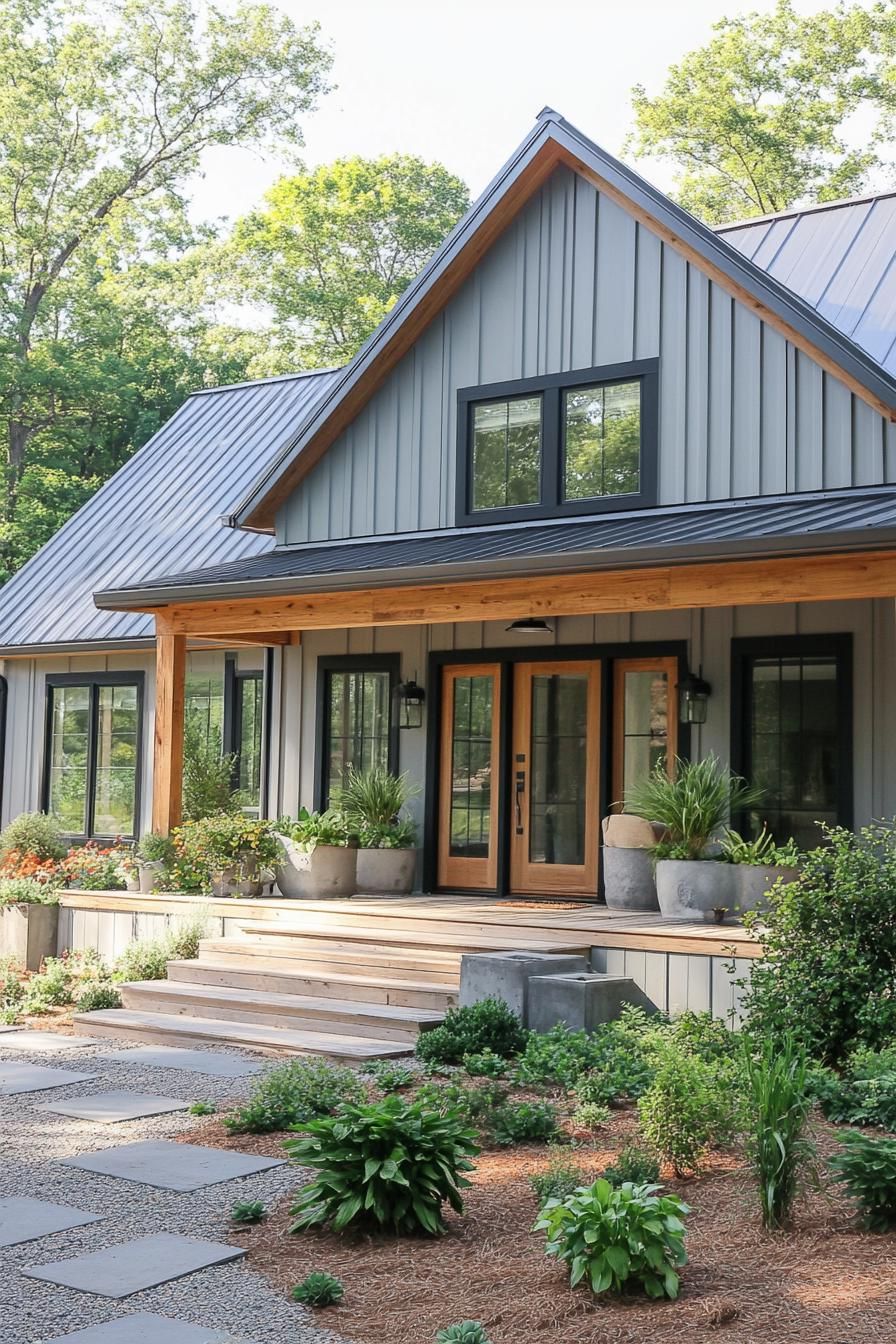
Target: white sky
(462, 81)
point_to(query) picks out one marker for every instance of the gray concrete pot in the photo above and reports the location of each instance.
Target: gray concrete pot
(327, 870)
(387, 872)
(629, 883)
(753, 882)
(239, 880)
(150, 872)
(692, 888)
(28, 933)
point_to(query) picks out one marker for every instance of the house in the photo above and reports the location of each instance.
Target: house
(598, 462)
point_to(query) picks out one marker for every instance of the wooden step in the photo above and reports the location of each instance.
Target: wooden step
(534, 925)
(174, 1029)
(446, 939)
(367, 988)
(321, 958)
(292, 1011)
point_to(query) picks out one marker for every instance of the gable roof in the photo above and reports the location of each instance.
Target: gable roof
(161, 511)
(553, 141)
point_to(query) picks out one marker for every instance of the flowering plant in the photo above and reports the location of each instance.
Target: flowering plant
(23, 863)
(97, 868)
(224, 840)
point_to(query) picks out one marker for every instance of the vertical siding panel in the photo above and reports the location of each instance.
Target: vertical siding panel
(791, 417)
(655, 979)
(837, 428)
(555, 297)
(406, 517)
(746, 407)
(584, 273)
(614, 326)
(697, 465)
(809, 425)
(648, 284)
(497, 312)
(678, 983)
(868, 444)
(530, 240)
(773, 452)
(719, 474)
(673, 372)
(889, 433)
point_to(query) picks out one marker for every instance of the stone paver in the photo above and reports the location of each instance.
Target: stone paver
(110, 1108)
(27, 1219)
(119, 1271)
(172, 1166)
(192, 1061)
(146, 1327)
(15, 1077)
(44, 1042)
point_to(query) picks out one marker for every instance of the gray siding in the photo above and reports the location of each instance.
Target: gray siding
(575, 282)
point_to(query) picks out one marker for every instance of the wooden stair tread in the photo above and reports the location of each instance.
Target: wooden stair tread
(501, 940)
(341, 977)
(265, 999)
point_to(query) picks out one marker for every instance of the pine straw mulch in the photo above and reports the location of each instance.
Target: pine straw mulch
(824, 1282)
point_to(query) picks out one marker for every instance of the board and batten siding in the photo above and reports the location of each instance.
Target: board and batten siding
(574, 283)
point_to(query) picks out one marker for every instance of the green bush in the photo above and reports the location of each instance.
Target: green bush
(319, 1290)
(559, 1179)
(62, 980)
(487, 1025)
(93, 998)
(867, 1168)
(465, 1332)
(473, 1103)
(591, 1115)
(613, 1238)
(703, 1035)
(207, 774)
(778, 1102)
(388, 1164)
(203, 1108)
(27, 891)
(522, 1122)
(248, 1211)
(147, 959)
(485, 1064)
(293, 1094)
(635, 1166)
(390, 1076)
(691, 1106)
(829, 939)
(33, 833)
(864, 1094)
(601, 1066)
(12, 990)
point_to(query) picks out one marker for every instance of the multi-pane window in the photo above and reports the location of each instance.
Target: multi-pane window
(471, 766)
(506, 453)
(602, 441)
(356, 715)
(248, 719)
(93, 754)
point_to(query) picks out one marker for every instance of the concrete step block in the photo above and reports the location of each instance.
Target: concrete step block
(583, 1000)
(507, 975)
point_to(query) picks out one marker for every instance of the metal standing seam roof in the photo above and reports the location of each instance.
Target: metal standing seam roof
(161, 511)
(835, 519)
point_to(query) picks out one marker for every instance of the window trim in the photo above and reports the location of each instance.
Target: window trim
(553, 443)
(837, 646)
(350, 662)
(93, 681)
(232, 720)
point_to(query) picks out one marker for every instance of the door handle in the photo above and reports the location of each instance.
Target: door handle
(519, 791)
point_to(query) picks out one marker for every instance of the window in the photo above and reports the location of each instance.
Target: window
(645, 720)
(93, 750)
(356, 725)
(569, 443)
(246, 713)
(794, 738)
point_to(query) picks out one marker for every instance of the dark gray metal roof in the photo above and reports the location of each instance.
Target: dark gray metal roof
(840, 258)
(835, 520)
(161, 511)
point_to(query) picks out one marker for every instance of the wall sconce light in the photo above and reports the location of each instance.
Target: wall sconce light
(530, 625)
(410, 701)
(693, 697)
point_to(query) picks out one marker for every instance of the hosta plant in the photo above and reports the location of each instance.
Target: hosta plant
(611, 1238)
(388, 1164)
(248, 1211)
(465, 1332)
(319, 1290)
(867, 1168)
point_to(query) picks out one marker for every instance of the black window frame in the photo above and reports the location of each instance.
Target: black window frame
(232, 722)
(350, 662)
(92, 681)
(552, 451)
(837, 646)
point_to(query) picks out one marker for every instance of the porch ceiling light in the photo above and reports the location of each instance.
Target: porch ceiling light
(411, 698)
(693, 697)
(531, 625)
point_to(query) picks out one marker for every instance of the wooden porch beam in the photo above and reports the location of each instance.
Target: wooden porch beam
(168, 749)
(257, 639)
(814, 578)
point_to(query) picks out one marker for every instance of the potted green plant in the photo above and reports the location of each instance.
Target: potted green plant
(758, 864)
(226, 852)
(693, 807)
(373, 801)
(317, 855)
(154, 854)
(29, 915)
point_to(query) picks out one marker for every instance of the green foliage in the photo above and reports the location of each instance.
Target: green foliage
(755, 119)
(388, 1164)
(829, 948)
(222, 841)
(203, 1108)
(374, 797)
(487, 1025)
(591, 1115)
(633, 1165)
(694, 805)
(473, 1103)
(33, 833)
(702, 1035)
(691, 1106)
(485, 1064)
(147, 959)
(522, 1122)
(153, 848)
(600, 1066)
(207, 774)
(96, 867)
(27, 891)
(559, 1179)
(319, 1290)
(865, 1092)
(293, 1094)
(389, 1075)
(96, 997)
(612, 1238)
(311, 829)
(248, 1211)
(464, 1332)
(761, 849)
(63, 980)
(778, 1102)
(867, 1168)
(12, 989)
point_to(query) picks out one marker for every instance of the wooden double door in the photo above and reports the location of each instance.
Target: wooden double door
(522, 753)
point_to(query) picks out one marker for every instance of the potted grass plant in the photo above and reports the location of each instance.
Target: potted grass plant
(154, 854)
(374, 801)
(317, 855)
(693, 806)
(758, 864)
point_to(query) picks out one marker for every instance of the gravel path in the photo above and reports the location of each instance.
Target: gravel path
(227, 1297)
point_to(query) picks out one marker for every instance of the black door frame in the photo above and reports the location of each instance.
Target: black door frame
(605, 654)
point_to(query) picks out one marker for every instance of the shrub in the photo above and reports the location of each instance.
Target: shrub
(591, 1115)
(248, 1211)
(96, 997)
(778, 1104)
(867, 1168)
(522, 1122)
(865, 1093)
(703, 1035)
(207, 774)
(614, 1237)
(690, 1106)
(633, 1165)
(218, 841)
(94, 867)
(473, 1103)
(465, 1332)
(390, 1076)
(33, 833)
(147, 959)
(559, 1179)
(485, 1064)
(292, 1094)
(12, 990)
(52, 987)
(27, 891)
(487, 1025)
(829, 939)
(693, 804)
(600, 1066)
(319, 1290)
(203, 1108)
(389, 1164)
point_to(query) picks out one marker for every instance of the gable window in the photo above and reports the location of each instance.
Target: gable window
(356, 721)
(93, 751)
(576, 443)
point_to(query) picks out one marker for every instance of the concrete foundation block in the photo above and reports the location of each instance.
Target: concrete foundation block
(506, 975)
(583, 1001)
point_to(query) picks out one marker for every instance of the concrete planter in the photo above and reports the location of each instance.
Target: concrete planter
(28, 933)
(753, 882)
(692, 888)
(629, 883)
(386, 872)
(150, 872)
(328, 870)
(242, 878)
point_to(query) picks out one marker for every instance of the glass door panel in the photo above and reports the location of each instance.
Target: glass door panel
(468, 786)
(645, 712)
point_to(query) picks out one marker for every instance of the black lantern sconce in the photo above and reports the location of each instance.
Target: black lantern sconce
(693, 698)
(411, 698)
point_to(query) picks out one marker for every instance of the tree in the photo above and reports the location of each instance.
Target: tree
(106, 111)
(336, 247)
(755, 120)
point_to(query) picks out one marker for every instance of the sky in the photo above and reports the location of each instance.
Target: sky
(462, 81)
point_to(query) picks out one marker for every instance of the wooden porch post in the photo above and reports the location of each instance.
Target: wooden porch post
(168, 753)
